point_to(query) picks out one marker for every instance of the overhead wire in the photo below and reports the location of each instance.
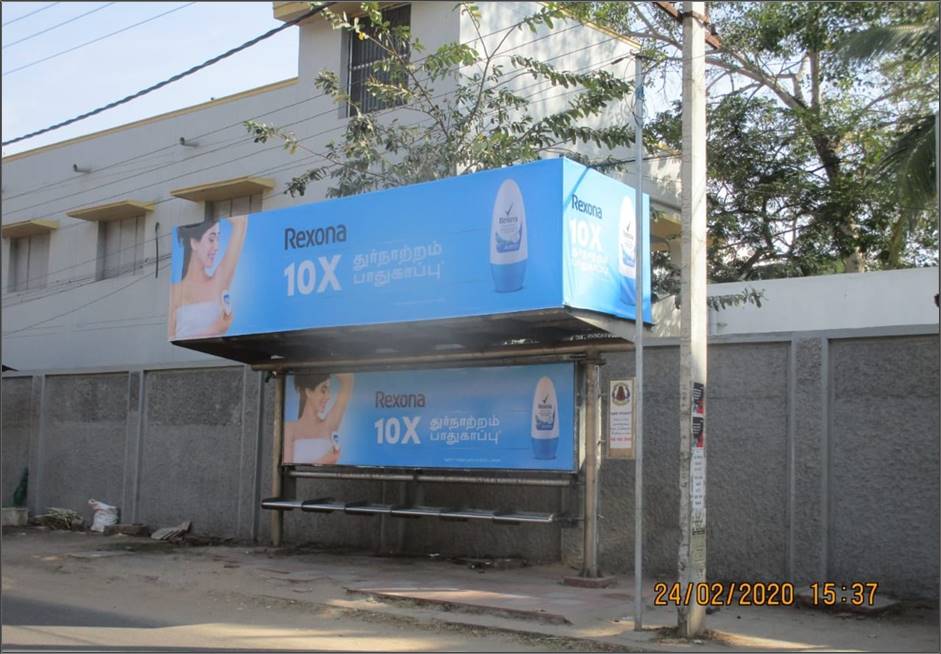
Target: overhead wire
(84, 305)
(65, 22)
(73, 49)
(32, 13)
(304, 161)
(247, 139)
(338, 127)
(163, 83)
(297, 163)
(295, 104)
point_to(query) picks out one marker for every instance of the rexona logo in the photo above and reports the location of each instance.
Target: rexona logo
(306, 238)
(399, 400)
(509, 218)
(584, 207)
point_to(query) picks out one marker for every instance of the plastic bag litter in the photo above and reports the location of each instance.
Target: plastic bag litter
(105, 515)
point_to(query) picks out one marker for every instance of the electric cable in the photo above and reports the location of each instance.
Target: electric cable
(44, 292)
(158, 85)
(49, 6)
(73, 49)
(246, 139)
(315, 97)
(66, 22)
(297, 163)
(82, 306)
(280, 167)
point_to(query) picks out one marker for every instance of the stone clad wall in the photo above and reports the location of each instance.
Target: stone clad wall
(15, 428)
(823, 463)
(884, 481)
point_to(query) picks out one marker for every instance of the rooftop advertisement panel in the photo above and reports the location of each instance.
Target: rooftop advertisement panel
(493, 242)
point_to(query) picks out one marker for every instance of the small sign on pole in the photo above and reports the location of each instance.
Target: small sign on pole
(621, 419)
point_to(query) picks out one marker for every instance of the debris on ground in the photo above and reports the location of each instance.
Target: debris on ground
(489, 563)
(135, 529)
(200, 540)
(171, 533)
(105, 515)
(58, 518)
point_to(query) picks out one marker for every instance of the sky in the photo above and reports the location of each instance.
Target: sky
(121, 64)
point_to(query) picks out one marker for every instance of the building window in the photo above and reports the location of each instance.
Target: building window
(29, 262)
(365, 57)
(120, 247)
(241, 206)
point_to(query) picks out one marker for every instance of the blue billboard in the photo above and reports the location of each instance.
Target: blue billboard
(544, 235)
(508, 417)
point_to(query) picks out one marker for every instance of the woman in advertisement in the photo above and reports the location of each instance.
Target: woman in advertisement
(314, 437)
(199, 303)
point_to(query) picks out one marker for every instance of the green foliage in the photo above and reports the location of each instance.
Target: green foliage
(805, 147)
(912, 159)
(468, 114)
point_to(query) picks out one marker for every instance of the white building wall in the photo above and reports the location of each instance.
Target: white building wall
(891, 298)
(78, 322)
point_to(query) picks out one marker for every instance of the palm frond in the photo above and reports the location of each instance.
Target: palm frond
(911, 160)
(920, 41)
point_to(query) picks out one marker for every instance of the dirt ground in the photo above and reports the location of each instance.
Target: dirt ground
(59, 591)
(79, 590)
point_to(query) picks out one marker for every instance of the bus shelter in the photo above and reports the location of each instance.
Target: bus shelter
(444, 332)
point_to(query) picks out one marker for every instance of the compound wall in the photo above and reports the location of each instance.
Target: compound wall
(823, 463)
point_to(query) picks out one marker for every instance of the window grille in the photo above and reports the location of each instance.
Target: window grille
(365, 59)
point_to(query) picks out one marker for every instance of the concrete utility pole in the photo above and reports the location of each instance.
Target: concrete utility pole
(639, 256)
(693, 318)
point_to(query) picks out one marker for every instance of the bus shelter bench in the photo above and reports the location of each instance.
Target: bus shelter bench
(461, 514)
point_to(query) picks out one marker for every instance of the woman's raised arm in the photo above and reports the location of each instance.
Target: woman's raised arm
(226, 270)
(335, 417)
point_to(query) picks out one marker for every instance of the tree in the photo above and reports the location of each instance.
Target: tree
(797, 132)
(478, 121)
(912, 159)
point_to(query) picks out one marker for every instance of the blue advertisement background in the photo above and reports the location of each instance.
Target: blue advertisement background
(453, 214)
(505, 392)
(444, 227)
(602, 291)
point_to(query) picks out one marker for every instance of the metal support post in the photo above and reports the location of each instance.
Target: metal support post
(692, 555)
(592, 460)
(277, 482)
(640, 255)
